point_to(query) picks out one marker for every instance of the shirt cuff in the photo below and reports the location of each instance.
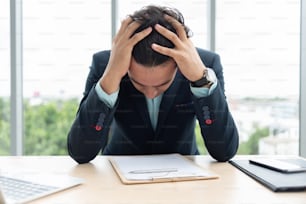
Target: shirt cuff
(108, 99)
(202, 91)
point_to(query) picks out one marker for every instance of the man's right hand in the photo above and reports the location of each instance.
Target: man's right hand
(121, 53)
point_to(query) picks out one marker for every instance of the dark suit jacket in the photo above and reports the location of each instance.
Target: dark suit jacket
(126, 128)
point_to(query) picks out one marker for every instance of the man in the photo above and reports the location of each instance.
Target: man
(144, 96)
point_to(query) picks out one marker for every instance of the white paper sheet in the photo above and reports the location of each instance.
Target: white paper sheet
(150, 167)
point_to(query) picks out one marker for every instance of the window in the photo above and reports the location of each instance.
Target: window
(4, 78)
(195, 16)
(195, 13)
(59, 38)
(259, 44)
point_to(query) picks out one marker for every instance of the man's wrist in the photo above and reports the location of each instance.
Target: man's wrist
(204, 91)
(211, 77)
(109, 84)
(203, 81)
(108, 99)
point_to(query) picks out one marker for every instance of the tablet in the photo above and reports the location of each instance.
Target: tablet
(278, 165)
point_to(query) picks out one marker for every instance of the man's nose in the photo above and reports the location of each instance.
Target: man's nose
(150, 92)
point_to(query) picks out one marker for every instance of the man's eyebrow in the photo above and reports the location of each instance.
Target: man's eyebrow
(162, 84)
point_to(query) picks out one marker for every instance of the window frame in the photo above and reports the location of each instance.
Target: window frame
(302, 118)
(17, 70)
(16, 99)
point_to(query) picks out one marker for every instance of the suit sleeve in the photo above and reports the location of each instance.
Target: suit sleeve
(218, 128)
(89, 131)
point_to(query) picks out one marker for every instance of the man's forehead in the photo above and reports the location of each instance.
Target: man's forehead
(156, 76)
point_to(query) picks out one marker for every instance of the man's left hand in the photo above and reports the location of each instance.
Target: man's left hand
(184, 52)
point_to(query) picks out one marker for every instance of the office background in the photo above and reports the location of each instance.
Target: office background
(46, 48)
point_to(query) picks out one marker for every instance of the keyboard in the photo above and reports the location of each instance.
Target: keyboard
(16, 189)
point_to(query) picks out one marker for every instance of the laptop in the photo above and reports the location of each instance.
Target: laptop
(276, 180)
(24, 188)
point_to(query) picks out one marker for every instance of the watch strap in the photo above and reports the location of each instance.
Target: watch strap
(202, 81)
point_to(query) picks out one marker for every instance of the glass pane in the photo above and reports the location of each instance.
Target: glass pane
(195, 16)
(194, 12)
(259, 46)
(4, 78)
(60, 38)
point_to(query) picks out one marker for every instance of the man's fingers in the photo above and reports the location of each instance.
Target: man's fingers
(128, 27)
(141, 35)
(164, 50)
(124, 24)
(168, 34)
(177, 26)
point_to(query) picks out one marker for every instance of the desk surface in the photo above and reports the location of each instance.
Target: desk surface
(102, 184)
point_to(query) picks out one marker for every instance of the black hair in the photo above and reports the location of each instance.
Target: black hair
(148, 17)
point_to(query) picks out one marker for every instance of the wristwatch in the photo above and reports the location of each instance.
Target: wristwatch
(203, 81)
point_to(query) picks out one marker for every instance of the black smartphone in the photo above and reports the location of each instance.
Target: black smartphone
(277, 165)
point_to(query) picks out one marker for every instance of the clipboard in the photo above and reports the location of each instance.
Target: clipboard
(158, 168)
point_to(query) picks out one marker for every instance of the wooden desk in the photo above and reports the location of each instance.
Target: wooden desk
(103, 186)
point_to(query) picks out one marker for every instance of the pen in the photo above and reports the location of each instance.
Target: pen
(148, 171)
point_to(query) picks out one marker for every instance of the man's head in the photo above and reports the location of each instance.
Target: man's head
(148, 17)
(151, 72)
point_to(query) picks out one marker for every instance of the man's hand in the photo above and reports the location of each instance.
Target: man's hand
(121, 54)
(184, 53)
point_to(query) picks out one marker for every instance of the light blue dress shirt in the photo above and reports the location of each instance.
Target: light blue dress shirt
(153, 104)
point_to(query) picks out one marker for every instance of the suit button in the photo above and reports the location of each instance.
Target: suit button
(98, 127)
(208, 121)
(100, 122)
